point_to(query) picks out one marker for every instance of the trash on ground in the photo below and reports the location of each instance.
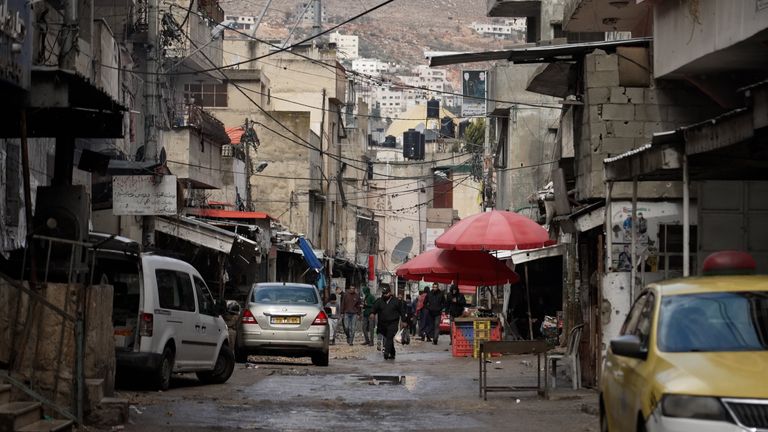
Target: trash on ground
(136, 410)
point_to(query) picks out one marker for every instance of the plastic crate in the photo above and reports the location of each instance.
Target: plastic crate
(462, 348)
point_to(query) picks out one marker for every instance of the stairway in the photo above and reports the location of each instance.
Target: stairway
(26, 416)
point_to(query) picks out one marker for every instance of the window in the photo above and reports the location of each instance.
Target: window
(671, 247)
(630, 324)
(285, 294)
(443, 191)
(174, 290)
(205, 303)
(207, 95)
(721, 321)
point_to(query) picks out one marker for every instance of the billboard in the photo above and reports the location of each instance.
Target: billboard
(474, 90)
(15, 43)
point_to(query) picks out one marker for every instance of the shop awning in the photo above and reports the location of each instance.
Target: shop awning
(523, 256)
(536, 54)
(228, 214)
(726, 147)
(200, 233)
(309, 255)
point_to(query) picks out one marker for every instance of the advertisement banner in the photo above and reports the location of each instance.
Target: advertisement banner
(474, 89)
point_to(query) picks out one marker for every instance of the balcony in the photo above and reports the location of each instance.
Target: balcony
(605, 16)
(193, 147)
(514, 8)
(198, 46)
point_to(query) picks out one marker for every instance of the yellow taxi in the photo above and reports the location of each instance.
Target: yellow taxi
(692, 354)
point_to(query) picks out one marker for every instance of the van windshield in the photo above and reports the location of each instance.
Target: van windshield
(284, 294)
(724, 321)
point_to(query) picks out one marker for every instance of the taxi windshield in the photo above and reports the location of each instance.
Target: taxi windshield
(723, 321)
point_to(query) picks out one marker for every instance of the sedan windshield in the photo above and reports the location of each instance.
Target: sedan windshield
(284, 294)
(724, 321)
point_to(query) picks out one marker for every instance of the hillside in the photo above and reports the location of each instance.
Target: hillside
(399, 32)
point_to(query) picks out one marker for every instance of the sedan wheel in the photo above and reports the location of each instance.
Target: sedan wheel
(320, 358)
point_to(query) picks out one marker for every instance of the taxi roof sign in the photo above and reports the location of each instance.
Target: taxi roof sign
(729, 263)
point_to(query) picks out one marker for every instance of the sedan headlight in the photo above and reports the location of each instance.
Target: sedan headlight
(694, 407)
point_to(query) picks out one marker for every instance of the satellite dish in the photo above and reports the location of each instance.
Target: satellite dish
(402, 249)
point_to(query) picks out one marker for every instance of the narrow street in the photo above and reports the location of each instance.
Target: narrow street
(425, 388)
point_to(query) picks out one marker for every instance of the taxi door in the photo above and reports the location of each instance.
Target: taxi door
(617, 398)
(637, 373)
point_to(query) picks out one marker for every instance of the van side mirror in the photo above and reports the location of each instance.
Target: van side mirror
(629, 346)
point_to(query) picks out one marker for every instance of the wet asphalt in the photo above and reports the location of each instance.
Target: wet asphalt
(425, 388)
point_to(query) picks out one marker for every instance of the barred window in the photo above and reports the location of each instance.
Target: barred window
(207, 95)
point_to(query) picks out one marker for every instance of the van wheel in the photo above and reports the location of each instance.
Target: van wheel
(222, 370)
(320, 359)
(163, 374)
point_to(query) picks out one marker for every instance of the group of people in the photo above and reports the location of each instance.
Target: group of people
(388, 314)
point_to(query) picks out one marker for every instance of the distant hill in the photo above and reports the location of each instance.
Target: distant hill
(398, 32)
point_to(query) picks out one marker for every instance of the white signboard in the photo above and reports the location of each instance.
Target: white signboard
(432, 235)
(144, 195)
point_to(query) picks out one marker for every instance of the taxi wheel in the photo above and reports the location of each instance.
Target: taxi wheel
(640, 424)
(603, 418)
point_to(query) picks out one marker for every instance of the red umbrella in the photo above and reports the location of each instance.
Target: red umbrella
(461, 267)
(494, 230)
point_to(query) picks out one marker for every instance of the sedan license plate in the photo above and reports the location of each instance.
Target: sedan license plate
(285, 320)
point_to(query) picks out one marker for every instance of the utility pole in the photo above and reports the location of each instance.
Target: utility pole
(150, 104)
(326, 227)
(248, 170)
(318, 26)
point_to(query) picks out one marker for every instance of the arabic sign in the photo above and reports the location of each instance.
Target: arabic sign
(473, 83)
(144, 195)
(15, 43)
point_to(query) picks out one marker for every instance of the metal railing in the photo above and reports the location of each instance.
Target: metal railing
(38, 307)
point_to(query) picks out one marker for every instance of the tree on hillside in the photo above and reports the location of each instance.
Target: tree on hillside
(475, 135)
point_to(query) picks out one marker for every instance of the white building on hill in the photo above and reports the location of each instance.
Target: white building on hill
(346, 45)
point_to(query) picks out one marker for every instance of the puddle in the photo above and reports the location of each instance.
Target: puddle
(382, 379)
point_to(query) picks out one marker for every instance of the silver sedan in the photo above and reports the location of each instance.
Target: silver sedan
(283, 319)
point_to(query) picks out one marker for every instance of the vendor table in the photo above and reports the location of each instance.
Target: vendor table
(512, 347)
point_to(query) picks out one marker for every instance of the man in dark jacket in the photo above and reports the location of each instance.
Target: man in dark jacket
(456, 305)
(390, 312)
(435, 304)
(351, 307)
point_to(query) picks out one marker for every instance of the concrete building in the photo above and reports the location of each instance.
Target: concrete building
(346, 45)
(305, 13)
(371, 67)
(242, 22)
(509, 29)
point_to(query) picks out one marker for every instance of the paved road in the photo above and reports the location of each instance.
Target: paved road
(424, 389)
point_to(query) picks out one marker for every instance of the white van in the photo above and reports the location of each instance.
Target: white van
(165, 319)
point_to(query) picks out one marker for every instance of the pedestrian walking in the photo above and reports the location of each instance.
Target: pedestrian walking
(389, 311)
(369, 325)
(332, 310)
(435, 304)
(351, 308)
(406, 336)
(456, 305)
(425, 326)
(411, 309)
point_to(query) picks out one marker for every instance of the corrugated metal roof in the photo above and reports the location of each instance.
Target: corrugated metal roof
(228, 214)
(536, 54)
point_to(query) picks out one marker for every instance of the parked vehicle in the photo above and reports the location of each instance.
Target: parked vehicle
(165, 319)
(692, 355)
(283, 319)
